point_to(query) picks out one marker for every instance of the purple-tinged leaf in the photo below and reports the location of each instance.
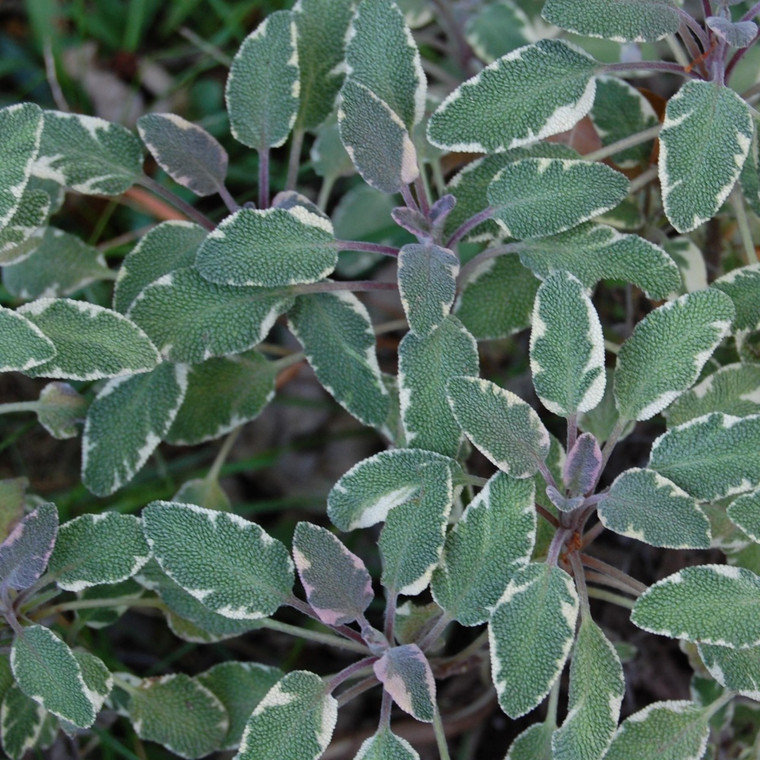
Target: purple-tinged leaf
(412, 221)
(406, 676)
(441, 209)
(25, 552)
(336, 582)
(562, 502)
(738, 34)
(582, 465)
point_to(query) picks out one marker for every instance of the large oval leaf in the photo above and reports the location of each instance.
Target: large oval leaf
(22, 344)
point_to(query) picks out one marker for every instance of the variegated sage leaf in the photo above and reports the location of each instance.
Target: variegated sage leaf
(500, 424)
(235, 569)
(494, 536)
(337, 584)
(24, 230)
(667, 350)
(566, 347)
(59, 410)
(21, 723)
(690, 262)
(530, 634)
(268, 248)
(406, 675)
(704, 142)
(597, 687)
(186, 152)
(531, 93)
(22, 344)
(742, 286)
(735, 669)
(125, 423)
(711, 457)
(336, 333)
(88, 154)
(294, 721)
(537, 197)
(263, 85)
(385, 745)
(744, 511)
(25, 551)
(750, 176)
(619, 20)
(708, 604)
(534, 743)
(97, 677)
(497, 29)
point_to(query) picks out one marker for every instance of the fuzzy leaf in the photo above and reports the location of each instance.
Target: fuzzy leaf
(735, 669)
(186, 152)
(22, 234)
(738, 34)
(494, 536)
(704, 142)
(742, 285)
(530, 634)
(582, 466)
(328, 156)
(744, 511)
(97, 677)
(500, 424)
(235, 569)
(534, 743)
(263, 85)
(667, 350)
(531, 93)
(406, 676)
(21, 722)
(294, 721)
(22, 344)
(125, 423)
(25, 552)
(59, 410)
(385, 745)
(497, 29)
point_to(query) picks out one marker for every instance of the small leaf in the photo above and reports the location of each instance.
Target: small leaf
(263, 85)
(97, 677)
(497, 29)
(500, 424)
(406, 675)
(21, 723)
(708, 604)
(337, 584)
(530, 633)
(294, 721)
(25, 552)
(744, 511)
(187, 153)
(204, 492)
(735, 669)
(24, 230)
(534, 743)
(667, 350)
(741, 285)
(22, 344)
(582, 465)
(698, 171)
(59, 410)
(235, 569)
(328, 156)
(738, 34)
(690, 262)
(385, 745)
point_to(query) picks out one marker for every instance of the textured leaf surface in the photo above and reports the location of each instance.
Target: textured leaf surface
(186, 152)
(530, 633)
(23, 231)
(60, 409)
(500, 424)
(531, 93)
(336, 332)
(742, 285)
(712, 456)
(704, 142)
(385, 745)
(21, 721)
(690, 262)
(536, 197)
(125, 423)
(97, 677)
(582, 466)
(96, 549)
(735, 669)
(234, 568)
(494, 536)
(643, 504)
(709, 604)
(744, 511)
(406, 676)
(534, 743)
(263, 85)
(22, 344)
(294, 721)
(667, 350)
(25, 552)
(91, 342)
(497, 29)
(268, 248)
(736, 33)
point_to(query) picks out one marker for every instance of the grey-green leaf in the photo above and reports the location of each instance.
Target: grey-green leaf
(60, 409)
(741, 285)
(24, 230)
(497, 29)
(385, 745)
(406, 675)
(534, 743)
(22, 344)
(735, 669)
(25, 551)
(21, 722)
(744, 511)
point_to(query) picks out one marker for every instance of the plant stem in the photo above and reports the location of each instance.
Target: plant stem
(294, 159)
(609, 445)
(354, 670)
(356, 286)
(572, 431)
(614, 572)
(743, 224)
(324, 191)
(694, 26)
(93, 604)
(489, 253)
(390, 615)
(19, 406)
(607, 580)
(547, 515)
(470, 224)
(610, 596)
(643, 179)
(264, 177)
(385, 710)
(648, 66)
(440, 735)
(229, 201)
(189, 211)
(432, 635)
(627, 142)
(546, 474)
(316, 636)
(592, 534)
(357, 689)
(739, 54)
(409, 200)
(580, 584)
(360, 245)
(558, 541)
(420, 187)
(751, 13)
(222, 454)
(305, 609)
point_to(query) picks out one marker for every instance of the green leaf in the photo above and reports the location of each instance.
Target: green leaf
(497, 29)
(690, 262)
(494, 536)
(235, 568)
(750, 176)
(618, 20)
(704, 142)
(536, 197)
(47, 671)
(744, 511)
(59, 410)
(673, 730)
(337, 584)
(330, 159)
(91, 342)
(97, 677)
(500, 424)
(593, 252)
(667, 350)
(385, 745)
(531, 93)
(425, 365)
(12, 498)
(336, 332)
(566, 347)
(263, 85)
(186, 152)
(742, 285)
(88, 154)
(294, 721)
(205, 492)
(22, 344)
(597, 687)
(239, 686)
(21, 722)
(95, 549)
(406, 675)
(180, 713)
(530, 634)
(644, 505)
(20, 128)
(23, 231)
(268, 248)
(25, 551)
(712, 456)
(708, 604)
(222, 394)
(534, 743)
(735, 669)
(125, 423)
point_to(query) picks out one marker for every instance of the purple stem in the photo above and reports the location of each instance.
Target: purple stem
(355, 286)
(739, 54)
(707, 8)
(360, 245)
(190, 211)
(348, 671)
(751, 13)
(699, 32)
(664, 66)
(419, 187)
(470, 224)
(406, 194)
(306, 609)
